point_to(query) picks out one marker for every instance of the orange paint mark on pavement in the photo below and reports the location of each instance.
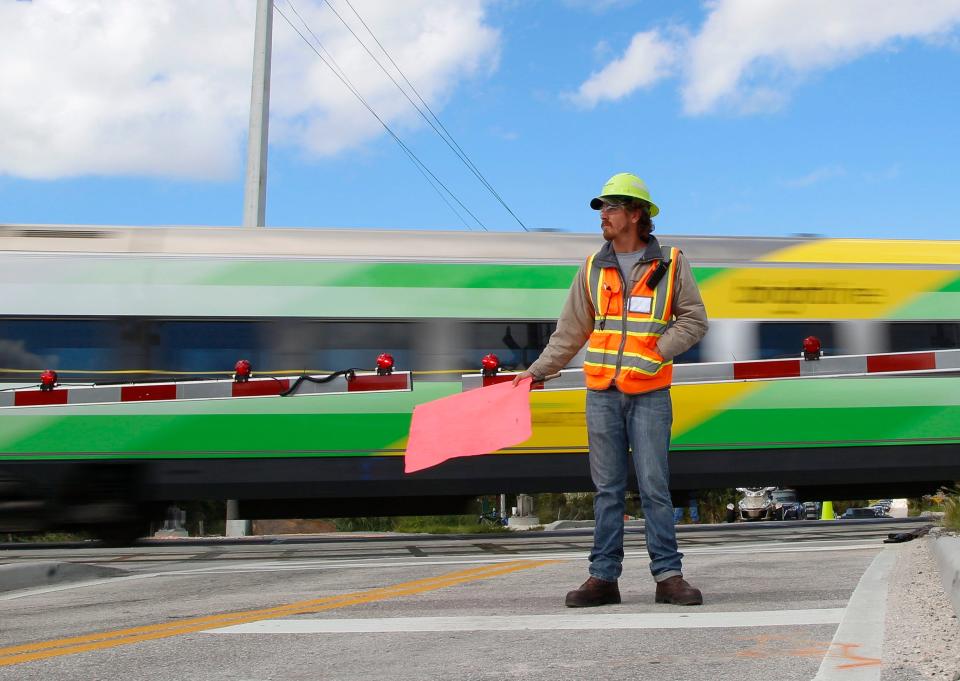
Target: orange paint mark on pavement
(766, 646)
(846, 653)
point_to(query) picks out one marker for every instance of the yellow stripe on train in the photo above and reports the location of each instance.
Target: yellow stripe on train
(817, 293)
(559, 417)
(872, 251)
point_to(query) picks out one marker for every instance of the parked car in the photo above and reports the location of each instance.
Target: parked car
(786, 505)
(811, 510)
(868, 512)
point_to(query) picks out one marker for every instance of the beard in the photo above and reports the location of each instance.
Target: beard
(609, 236)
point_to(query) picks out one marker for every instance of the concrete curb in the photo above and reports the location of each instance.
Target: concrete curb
(947, 552)
(30, 575)
(580, 524)
(862, 626)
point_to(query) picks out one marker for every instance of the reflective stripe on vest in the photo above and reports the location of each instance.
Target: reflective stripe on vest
(626, 338)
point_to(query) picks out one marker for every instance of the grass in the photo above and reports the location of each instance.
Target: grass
(460, 524)
(445, 524)
(951, 509)
(47, 537)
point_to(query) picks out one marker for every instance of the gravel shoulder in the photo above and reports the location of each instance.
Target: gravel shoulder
(922, 630)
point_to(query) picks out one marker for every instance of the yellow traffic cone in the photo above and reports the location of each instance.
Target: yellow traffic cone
(826, 511)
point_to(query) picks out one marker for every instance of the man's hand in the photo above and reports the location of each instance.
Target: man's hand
(519, 377)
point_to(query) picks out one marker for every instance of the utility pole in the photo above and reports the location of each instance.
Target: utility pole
(255, 189)
(235, 526)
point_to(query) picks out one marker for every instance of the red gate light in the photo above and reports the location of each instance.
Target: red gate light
(811, 348)
(242, 371)
(48, 379)
(384, 364)
(490, 364)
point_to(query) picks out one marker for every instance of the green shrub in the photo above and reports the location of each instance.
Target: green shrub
(573, 506)
(375, 524)
(446, 524)
(951, 509)
(428, 524)
(48, 537)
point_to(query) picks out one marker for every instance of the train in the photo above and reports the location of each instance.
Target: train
(101, 304)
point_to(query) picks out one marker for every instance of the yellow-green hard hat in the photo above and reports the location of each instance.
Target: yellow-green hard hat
(625, 185)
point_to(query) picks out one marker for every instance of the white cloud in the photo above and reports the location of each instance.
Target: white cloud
(888, 174)
(750, 54)
(504, 134)
(648, 59)
(162, 87)
(748, 49)
(816, 176)
(598, 6)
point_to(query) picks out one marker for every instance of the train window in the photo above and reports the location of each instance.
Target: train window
(205, 346)
(280, 344)
(785, 339)
(907, 336)
(72, 344)
(332, 346)
(516, 344)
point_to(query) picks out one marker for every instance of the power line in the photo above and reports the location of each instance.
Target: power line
(418, 164)
(445, 134)
(341, 75)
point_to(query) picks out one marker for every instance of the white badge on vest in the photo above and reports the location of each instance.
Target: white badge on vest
(641, 304)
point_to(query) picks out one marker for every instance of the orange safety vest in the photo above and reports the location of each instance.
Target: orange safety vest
(623, 346)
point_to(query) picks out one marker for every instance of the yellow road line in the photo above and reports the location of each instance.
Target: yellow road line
(28, 652)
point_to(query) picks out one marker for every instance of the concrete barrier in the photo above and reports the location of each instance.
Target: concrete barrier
(30, 575)
(946, 548)
(578, 524)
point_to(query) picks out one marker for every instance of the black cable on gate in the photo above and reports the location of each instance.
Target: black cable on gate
(349, 374)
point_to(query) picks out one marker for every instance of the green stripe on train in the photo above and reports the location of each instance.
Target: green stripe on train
(203, 272)
(952, 287)
(847, 427)
(784, 414)
(942, 304)
(835, 412)
(390, 275)
(224, 434)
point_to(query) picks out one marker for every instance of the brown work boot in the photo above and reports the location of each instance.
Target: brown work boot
(594, 592)
(677, 591)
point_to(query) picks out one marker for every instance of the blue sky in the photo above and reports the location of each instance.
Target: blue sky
(744, 118)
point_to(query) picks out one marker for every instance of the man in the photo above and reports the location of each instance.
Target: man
(639, 306)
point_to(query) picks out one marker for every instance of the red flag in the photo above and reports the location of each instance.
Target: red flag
(468, 424)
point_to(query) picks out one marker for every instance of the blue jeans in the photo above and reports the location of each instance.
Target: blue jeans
(618, 424)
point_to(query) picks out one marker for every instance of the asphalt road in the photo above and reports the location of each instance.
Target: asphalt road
(777, 596)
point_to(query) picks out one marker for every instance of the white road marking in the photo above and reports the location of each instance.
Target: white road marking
(325, 564)
(40, 590)
(860, 634)
(388, 563)
(670, 620)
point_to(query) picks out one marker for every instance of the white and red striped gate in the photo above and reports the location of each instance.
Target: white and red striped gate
(353, 382)
(892, 363)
